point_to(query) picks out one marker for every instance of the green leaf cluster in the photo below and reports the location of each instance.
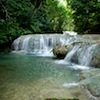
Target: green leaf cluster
(86, 15)
(18, 17)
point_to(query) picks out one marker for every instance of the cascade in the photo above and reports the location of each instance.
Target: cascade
(25, 43)
(83, 55)
(71, 54)
(38, 44)
(15, 44)
(86, 55)
(80, 53)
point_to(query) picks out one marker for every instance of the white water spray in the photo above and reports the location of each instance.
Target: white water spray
(40, 45)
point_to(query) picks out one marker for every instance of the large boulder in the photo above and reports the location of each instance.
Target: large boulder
(60, 51)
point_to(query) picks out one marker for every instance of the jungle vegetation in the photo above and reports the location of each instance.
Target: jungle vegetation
(18, 17)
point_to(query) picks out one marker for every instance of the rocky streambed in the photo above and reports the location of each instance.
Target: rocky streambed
(90, 80)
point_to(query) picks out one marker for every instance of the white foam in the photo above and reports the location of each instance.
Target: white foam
(60, 62)
(80, 67)
(73, 84)
(71, 65)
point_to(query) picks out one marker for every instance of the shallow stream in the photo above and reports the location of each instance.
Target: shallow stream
(29, 77)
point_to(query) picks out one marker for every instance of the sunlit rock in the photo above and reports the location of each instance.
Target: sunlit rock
(60, 51)
(69, 33)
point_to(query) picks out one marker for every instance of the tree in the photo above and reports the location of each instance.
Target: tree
(86, 15)
(19, 17)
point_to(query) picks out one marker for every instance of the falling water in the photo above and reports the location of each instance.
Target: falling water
(71, 53)
(15, 44)
(86, 55)
(43, 45)
(81, 54)
(38, 44)
(25, 43)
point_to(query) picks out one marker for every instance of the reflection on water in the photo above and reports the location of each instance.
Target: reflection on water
(26, 77)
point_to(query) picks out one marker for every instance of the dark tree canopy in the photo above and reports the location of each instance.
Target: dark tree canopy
(86, 15)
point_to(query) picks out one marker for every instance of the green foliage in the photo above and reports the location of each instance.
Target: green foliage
(86, 16)
(18, 17)
(11, 19)
(59, 16)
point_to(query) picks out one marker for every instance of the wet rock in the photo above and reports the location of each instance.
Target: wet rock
(60, 51)
(92, 82)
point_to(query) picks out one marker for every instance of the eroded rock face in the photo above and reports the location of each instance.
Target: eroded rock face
(60, 51)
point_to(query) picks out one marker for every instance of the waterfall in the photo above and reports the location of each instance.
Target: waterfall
(81, 52)
(71, 54)
(86, 55)
(83, 55)
(25, 43)
(38, 44)
(15, 44)
(45, 46)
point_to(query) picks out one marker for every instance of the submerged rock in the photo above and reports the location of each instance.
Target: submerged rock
(92, 82)
(60, 51)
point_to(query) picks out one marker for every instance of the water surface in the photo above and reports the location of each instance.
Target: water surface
(28, 77)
